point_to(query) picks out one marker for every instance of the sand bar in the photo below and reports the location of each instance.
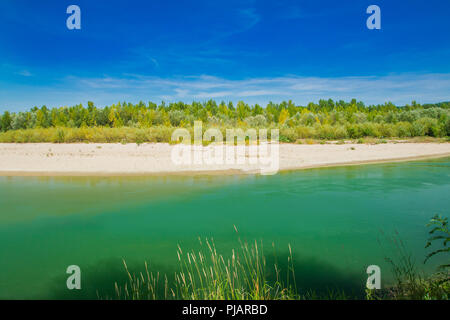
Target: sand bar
(48, 159)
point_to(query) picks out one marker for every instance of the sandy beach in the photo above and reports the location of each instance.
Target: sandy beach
(132, 159)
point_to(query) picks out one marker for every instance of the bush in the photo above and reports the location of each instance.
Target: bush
(304, 132)
(369, 130)
(447, 127)
(257, 121)
(175, 117)
(354, 131)
(404, 129)
(426, 127)
(288, 135)
(386, 130)
(60, 135)
(330, 132)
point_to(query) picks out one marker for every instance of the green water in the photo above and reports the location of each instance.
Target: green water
(337, 221)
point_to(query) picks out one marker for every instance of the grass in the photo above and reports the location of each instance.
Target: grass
(208, 275)
(299, 134)
(88, 134)
(410, 283)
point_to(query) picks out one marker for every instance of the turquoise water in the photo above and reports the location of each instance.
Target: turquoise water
(337, 220)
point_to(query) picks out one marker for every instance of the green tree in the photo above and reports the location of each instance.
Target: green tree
(6, 121)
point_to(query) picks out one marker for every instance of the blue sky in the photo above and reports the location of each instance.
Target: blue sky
(256, 51)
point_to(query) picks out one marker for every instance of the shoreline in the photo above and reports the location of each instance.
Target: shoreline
(368, 162)
(209, 172)
(83, 160)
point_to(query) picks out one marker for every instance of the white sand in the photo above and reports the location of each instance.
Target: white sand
(131, 159)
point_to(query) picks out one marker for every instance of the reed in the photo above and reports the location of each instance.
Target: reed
(207, 275)
(244, 275)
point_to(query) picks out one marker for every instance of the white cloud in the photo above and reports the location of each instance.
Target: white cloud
(254, 93)
(398, 88)
(24, 73)
(251, 18)
(373, 89)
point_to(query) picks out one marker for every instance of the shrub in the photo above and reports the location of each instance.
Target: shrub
(386, 130)
(60, 135)
(256, 121)
(354, 131)
(404, 129)
(447, 127)
(329, 132)
(426, 127)
(175, 117)
(288, 135)
(303, 132)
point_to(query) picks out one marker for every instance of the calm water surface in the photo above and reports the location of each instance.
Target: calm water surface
(337, 220)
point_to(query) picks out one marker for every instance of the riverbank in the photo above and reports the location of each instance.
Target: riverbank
(49, 159)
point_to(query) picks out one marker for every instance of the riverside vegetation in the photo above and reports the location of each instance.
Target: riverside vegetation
(205, 275)
(140, 123)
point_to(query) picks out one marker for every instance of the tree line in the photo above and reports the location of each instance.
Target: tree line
(346, 119)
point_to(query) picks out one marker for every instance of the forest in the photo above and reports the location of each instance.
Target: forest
(150, 122)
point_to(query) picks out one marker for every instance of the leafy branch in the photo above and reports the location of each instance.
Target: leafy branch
(439, 232)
